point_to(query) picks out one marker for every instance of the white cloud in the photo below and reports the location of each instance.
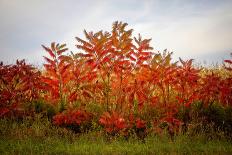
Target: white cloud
(190, 29)
(192, 36)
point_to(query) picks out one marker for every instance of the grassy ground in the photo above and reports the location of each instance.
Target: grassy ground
(40, 137)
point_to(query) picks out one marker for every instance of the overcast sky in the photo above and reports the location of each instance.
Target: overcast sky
(199, 29)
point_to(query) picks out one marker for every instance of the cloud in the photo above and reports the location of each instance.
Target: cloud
(192, 33)
(189, 28)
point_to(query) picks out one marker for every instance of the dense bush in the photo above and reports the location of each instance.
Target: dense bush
(117, 81)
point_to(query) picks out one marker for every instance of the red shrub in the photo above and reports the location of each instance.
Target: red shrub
(140, 124)
(210, 88)
(113, 123)
(71, 117)
(57, 72)
(19, 84)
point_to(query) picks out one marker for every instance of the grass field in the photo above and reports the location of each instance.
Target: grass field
(41, 137)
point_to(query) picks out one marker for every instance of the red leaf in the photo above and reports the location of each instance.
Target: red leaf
(228, 61)
(50, 61)
(59, 52)
(53, 46)
(50, 52)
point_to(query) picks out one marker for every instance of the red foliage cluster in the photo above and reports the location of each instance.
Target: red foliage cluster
(57, 72)
(19, 84)
(72, 117)
(113, 123)
(173, 123)
(119, 73)
(140, 124)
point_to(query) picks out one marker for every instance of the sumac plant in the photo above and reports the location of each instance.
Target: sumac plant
(187, 81)
(114, 56)
(173, 125)
(113, 123)
(77, 120)
(123, 81)
(83, 85)
(57, 74)
(226, 88)
(20, 84)
(116, 124)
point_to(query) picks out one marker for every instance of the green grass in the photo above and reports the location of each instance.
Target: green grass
(40, 137)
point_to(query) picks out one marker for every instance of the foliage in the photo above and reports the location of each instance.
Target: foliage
(77, 120)
(124, 83)
(56, 75)
(112, 123)
(19, 85)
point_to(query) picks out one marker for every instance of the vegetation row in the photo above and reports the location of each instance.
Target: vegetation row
(117, 84)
